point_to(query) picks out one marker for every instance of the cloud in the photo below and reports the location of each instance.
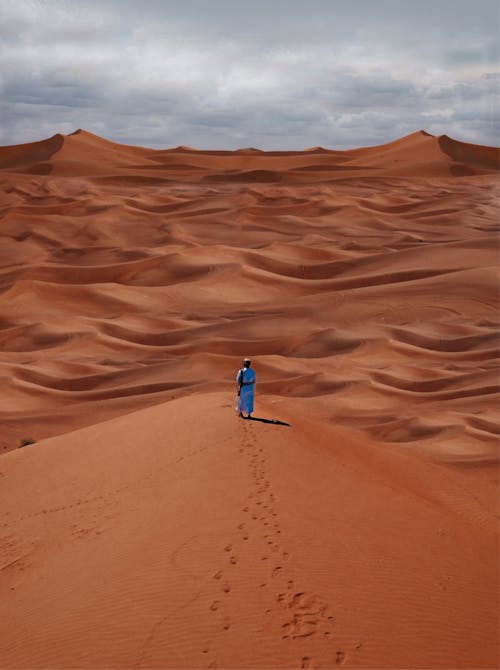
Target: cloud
(268, 74)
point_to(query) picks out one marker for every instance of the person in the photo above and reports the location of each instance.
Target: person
(245, 379)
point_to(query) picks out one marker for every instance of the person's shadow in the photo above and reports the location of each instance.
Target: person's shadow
(275, 422)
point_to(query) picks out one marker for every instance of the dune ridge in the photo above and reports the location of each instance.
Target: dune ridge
(364, 285)
(85, 154)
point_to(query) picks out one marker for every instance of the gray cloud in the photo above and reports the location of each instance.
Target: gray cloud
(268, 74)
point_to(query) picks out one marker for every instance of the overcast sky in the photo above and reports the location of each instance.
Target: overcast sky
(273, 74)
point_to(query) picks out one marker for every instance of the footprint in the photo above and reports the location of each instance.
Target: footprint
(340, 658)
(226, 588)
(233, 560)
(306, 662)
(296, 600)
(215, 605)
(218, 574)
(228, 548)
(277, 570)
(299, 627)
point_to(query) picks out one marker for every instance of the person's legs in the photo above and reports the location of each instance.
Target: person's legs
(244, 397)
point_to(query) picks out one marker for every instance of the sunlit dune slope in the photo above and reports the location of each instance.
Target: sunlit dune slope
(176, 536)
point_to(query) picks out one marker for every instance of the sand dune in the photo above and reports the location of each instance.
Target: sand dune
(131, 578)
(85, 154)
(148, 526)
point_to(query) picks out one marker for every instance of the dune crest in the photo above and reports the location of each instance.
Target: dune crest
(148, 526)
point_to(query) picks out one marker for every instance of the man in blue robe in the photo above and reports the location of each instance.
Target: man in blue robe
(245, 379)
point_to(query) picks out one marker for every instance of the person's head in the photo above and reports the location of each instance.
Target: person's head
(247, 363)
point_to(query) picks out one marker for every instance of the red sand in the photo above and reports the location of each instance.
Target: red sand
(148, 526)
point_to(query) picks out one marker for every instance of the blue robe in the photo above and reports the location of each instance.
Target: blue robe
(245, 399)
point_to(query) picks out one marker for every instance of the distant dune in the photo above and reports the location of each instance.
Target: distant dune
(84, 154)
(149, 527)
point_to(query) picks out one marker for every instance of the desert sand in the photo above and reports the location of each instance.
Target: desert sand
(148, 526)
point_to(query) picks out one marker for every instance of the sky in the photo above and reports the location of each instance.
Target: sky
(271, 74)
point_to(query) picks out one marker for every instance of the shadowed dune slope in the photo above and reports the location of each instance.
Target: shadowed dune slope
(25, 155)
(486, 157)
(104, 561)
